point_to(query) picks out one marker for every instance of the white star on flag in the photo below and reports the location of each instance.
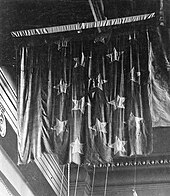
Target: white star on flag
(99, 126)
(137, 121)
(79, 104)
(118, 145)
(60, 126)
(134, 75)
(77, 147)
(120, 102)
(115, 56)
(100, 82)
(113, 103)
(62, 86)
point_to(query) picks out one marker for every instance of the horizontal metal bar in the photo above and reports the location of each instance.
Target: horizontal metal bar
(81, 26)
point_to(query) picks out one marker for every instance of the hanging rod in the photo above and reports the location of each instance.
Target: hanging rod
(81, 26)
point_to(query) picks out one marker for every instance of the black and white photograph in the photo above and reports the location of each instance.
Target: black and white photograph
(84, 97)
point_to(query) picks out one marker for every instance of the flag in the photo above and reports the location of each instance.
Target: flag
(87, 102)
(97, 132)
(119, 140)
(91, 155)
(33, 124)
(60, 106)
(77, 98)
(159, 88)
(139, 128)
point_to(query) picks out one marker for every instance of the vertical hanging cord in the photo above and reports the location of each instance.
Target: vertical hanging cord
(134, 181)
(75, 190)
(105, 188)
(132, 90)
(69, 161)
(92, 186)
(68, 183)
(135, 162)
(134, 184)
(61, 187)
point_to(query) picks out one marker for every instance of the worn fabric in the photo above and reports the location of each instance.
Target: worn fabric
(88, 102)
(159, 87)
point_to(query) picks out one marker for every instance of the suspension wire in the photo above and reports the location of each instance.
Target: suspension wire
(75, 190)
(61, 187)
(141, 114)
(134, 180)
(105, 188)
(92, 186)
(68, 183)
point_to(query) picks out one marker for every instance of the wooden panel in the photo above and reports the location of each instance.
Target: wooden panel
(6, 187)
(13, 174)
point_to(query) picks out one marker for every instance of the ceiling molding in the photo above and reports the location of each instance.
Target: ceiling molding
(153, 161)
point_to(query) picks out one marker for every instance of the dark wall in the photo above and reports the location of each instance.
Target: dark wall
(31, 172)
